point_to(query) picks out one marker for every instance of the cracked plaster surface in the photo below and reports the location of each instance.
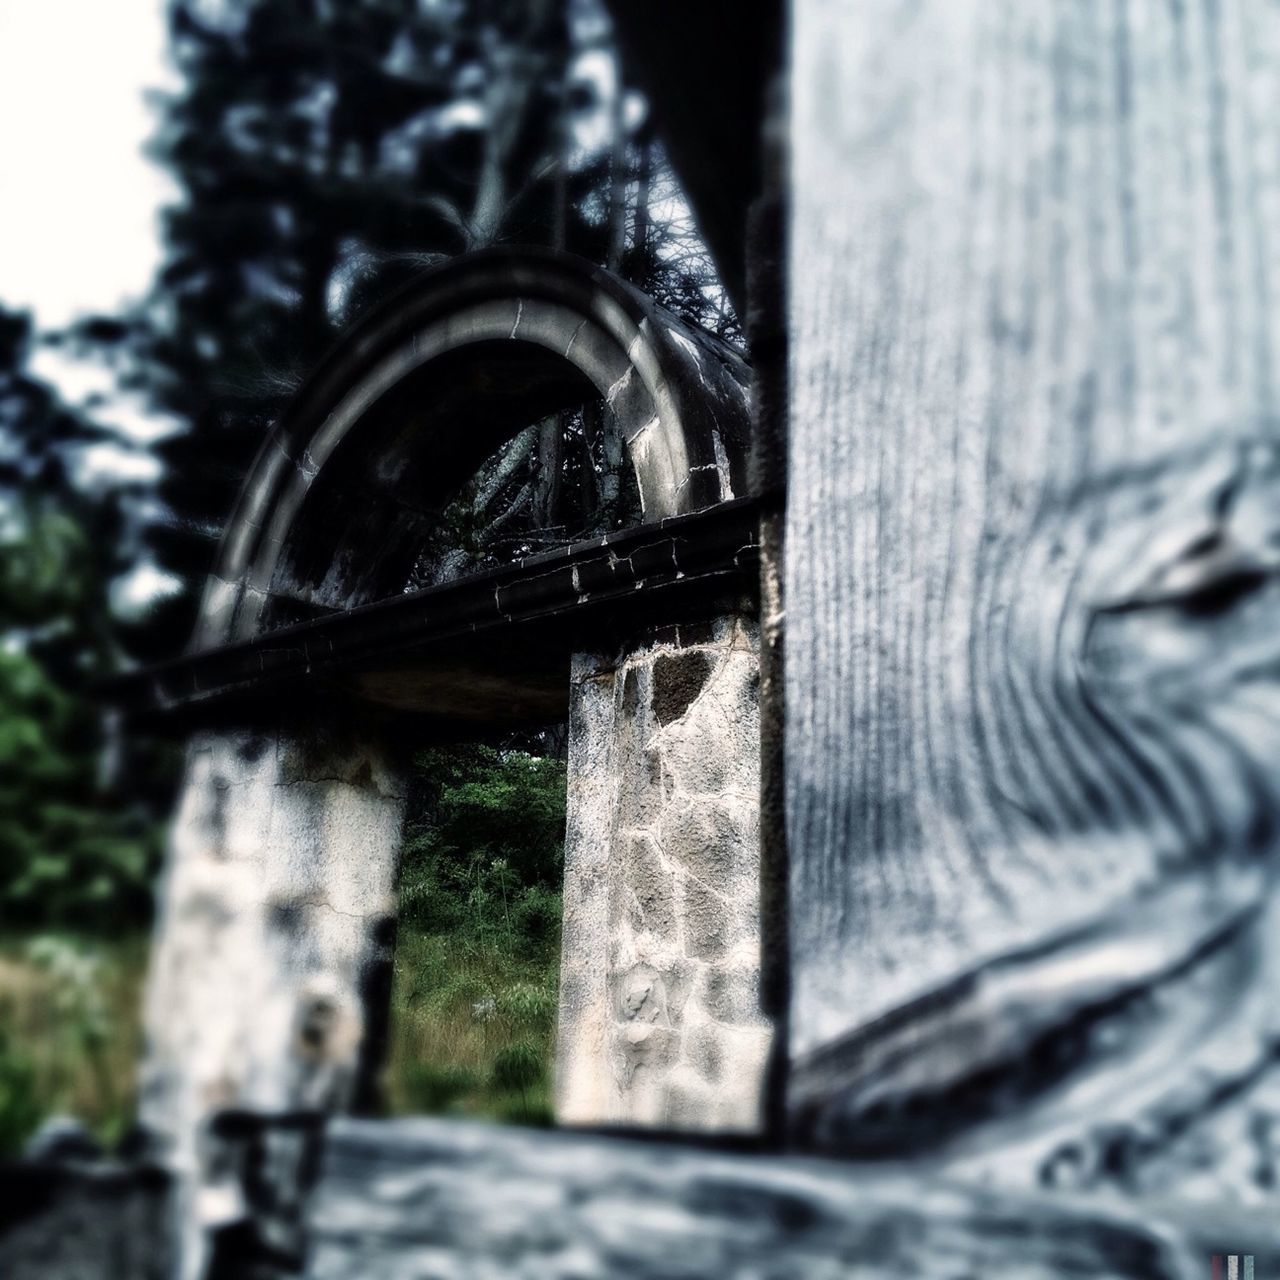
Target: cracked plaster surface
(276, 907)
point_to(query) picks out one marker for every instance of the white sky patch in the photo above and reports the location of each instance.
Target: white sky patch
(78, 200)
(634, 111)
(597, 69)
(467, 114)
(134, 591)
(108, 461)
(90, 385)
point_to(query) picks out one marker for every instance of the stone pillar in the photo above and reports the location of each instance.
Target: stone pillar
(660, 1018)
(271, 965)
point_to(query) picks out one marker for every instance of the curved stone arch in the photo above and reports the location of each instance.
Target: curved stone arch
(430, 383)
(286, 846)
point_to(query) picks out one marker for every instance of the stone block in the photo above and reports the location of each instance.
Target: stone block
(678, 679)
(705, 915)
(649, 880)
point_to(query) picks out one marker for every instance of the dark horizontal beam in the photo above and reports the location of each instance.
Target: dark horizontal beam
(491, 646)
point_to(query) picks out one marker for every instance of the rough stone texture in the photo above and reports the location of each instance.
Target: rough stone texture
(269, 971)
(660, 1019)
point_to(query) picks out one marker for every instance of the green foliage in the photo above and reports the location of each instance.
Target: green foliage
(79, 1008)
(433, 1089)
(69, 851)
(69, 1031)
(66, 853)
(484, 845)
(472, 1026)
(477, 957)
(46, 570)
(20, 1109)
(517, 1066)
(536, 916)
(529, 1005)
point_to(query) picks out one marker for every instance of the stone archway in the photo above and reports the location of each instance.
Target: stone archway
(269, 980)
(431, 383)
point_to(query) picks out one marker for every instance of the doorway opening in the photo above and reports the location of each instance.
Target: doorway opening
(476, 972)
(477, 959)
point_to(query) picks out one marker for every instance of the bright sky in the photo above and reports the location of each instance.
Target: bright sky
(78, 200)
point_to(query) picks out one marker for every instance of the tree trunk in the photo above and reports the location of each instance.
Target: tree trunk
(514, 80)
(547, 476)
(618, 178)
(644, 178)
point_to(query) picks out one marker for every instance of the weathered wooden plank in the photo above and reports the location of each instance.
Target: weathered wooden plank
(416, 1198)
(1031, 579)
(84, 1220)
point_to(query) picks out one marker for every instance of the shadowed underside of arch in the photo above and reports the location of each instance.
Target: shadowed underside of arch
(354, 476)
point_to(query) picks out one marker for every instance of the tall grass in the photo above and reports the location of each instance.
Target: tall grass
(477, 965)
(70, 1033)
(472, 1026)
(473, 1020)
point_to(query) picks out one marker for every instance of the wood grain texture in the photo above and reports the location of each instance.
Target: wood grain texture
(412, 1198)
(1033, 661)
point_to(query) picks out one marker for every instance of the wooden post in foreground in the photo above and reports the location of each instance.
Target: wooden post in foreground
(1033, 660)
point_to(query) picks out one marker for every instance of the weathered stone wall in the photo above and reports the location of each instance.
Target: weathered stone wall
(660, 1019)
(270, 971)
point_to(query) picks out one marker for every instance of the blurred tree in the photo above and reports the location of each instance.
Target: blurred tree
(326, 153)
(64, 538)
(484, 842)
(72, 850)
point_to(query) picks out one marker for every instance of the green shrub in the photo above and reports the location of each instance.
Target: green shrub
(521, 1108)
(529, 1005)
(426, 903)
(484, 824)
(477, 954)
(433, 1088)
(20, 1109)
(71, 852)
(536, 916)
(66, 856)
(519, 1065)
(70, 1008)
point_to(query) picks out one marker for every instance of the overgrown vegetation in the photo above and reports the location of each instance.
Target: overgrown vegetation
(476, 970)
(70, 1032)
(74, 849)
(478, 954)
